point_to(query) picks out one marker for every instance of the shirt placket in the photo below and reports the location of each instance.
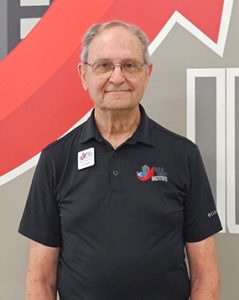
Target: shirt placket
(115, 173)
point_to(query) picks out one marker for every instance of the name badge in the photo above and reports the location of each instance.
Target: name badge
(86, 158)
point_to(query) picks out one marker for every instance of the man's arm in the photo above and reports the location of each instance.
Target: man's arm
(42, 272)
(204, 271)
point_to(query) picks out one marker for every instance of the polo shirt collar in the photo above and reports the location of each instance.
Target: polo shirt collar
(89, 130)
(143, 133)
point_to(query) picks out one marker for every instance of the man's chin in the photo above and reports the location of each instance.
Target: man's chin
(120, 106)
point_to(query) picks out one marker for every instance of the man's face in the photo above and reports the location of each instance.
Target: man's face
(117, 90)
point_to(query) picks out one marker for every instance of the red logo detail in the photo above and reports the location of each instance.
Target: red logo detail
(83, 156)
(148, 176)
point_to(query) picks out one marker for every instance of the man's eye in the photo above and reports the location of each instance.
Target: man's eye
(103, 65)
(129, 65)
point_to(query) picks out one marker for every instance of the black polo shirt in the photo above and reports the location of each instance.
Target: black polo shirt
(121, 217)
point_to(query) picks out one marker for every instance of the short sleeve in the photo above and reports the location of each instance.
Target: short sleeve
(200, 215)
(41, 220)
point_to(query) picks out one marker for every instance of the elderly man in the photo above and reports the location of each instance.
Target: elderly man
(114, 203)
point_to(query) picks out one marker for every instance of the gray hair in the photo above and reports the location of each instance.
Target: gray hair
(94, 30)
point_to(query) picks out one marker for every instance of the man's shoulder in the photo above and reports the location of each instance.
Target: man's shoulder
(170, 138)
(65, 142)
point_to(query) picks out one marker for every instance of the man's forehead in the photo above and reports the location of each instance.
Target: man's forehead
(115, 33)
(114, 39)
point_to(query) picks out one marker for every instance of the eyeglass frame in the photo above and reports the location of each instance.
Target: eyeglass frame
(120, 65)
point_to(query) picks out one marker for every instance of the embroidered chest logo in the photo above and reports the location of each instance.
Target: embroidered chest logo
(154, 173)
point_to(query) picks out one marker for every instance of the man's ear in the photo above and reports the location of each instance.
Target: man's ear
(82, 73)
(150, 67)
(148, 73)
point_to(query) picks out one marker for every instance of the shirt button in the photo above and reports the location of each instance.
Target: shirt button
(115, 173)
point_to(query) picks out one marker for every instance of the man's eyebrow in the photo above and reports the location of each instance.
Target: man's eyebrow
(111, 61)
(103, 60)
(130, 60)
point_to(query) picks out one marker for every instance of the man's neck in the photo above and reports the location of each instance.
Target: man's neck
(117, 126)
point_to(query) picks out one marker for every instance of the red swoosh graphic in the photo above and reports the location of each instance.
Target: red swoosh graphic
(40, 92)
(152, 15)
(150, 174)
(44, 51)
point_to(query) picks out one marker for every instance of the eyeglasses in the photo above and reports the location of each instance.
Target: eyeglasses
(107, 67)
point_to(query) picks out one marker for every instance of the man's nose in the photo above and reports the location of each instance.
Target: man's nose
(117, 75)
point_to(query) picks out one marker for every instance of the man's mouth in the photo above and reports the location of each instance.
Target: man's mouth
(118, 91)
